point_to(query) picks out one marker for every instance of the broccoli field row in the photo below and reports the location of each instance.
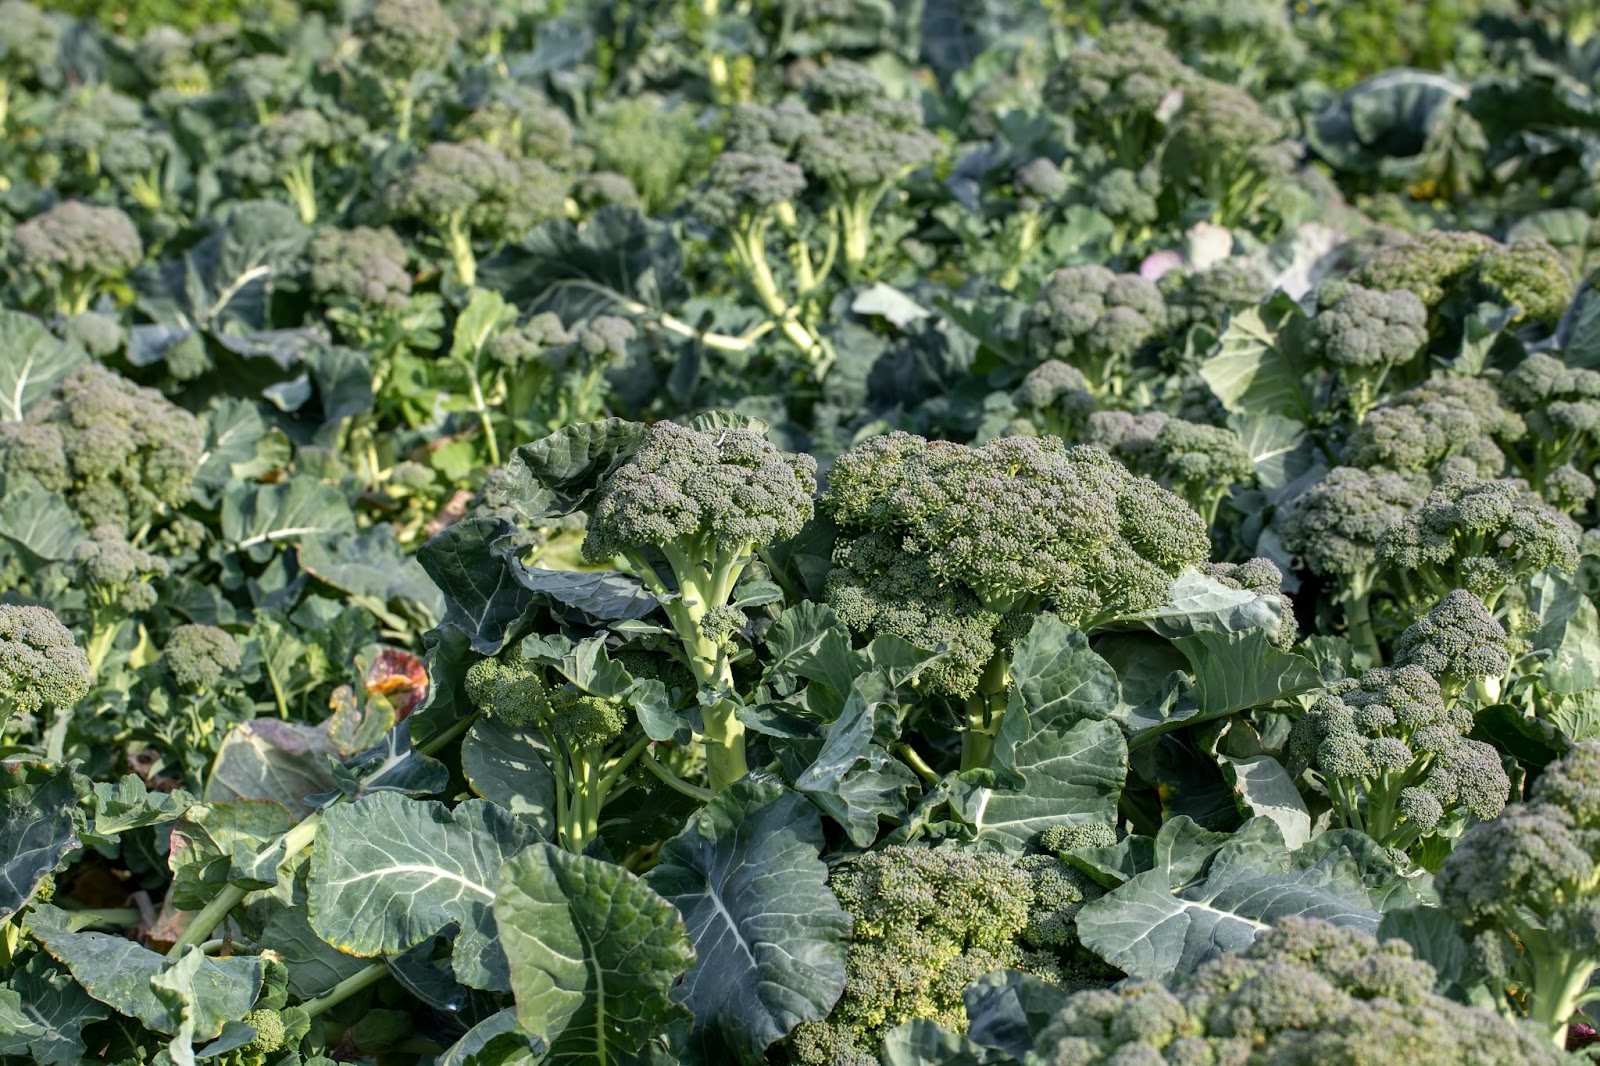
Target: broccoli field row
(801, 532)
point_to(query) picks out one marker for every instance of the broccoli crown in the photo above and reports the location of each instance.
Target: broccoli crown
(861, 140)
(1569, 489)
(362, 264)
(1055, 385)
(1222, 123)
(1339, 523)
(521, 121)
(775, 130)
(1560, 403)
(475, 185)
(77, 240)
(580, 721)
(1126, 74)
(540, 336)
(515, 692)
(649, 141)
(400, 38)
(606, 335)
(118, 451)
(1369, 329)
(100, 335)
(1206, 297)
(1430, 266)
(1531, 274)
(1420, 429)
(1129, 196)
(926, 923)
(284, 140)
(1443, 264)
(39, 664)
(1040, 179)
(1061, 839)
(1191, 457)
(741, 185)
(118, 573)
(1262, 577)
(1306, 993)
(270, 1030)
(704, 494)
(30, 40)
(1095, 319)
(1394, 758)
(1488, 531)
(1457, 641)
(198, 656)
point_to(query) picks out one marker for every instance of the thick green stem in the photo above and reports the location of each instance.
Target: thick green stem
(104, 918)
(99, 646)
(985, 709)
(302, 185)
(459, 242)
(1559, 980)
(216, 912)
(1358, 625)
(342, 991)
(674, 782)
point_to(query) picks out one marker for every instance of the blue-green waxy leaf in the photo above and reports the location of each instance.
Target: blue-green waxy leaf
(470, 563)
(216, 844)
(1265, 789)
(495, 1041)
(769, 936)
(37, 829)
(510, 767)
(924, 1042)
(1236, 671)
(854, 780)
(32, 362)
(255, 518)
(593, 951)
(200, 996)
(43, 1012)
(37, 520)
(372, 569)
(1262, 361)
(555, 475)
(1068, 776)
(389, 872)
(1006, 1009)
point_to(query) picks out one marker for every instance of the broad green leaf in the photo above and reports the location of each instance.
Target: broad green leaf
(1155, 929)
(37, 828)
(269, 759)
(602, 594)
(1006, 1009)
(1069, 775)
(1265, 789)
(1261, 361)
(1280, 449)
(809, 642)
(555, 475)
(1199, 603)
(370, 567)
(853, 779)
(119, 973)
(314, 966)
(1568, 635)
(388, 872)
(43, 1012)
(495, 1041)
(215, 844)
(38, 521)
(391, 765)
(1237, 671)
(470, 562)
(1058, 679)
(128, 804)
(257, 517)
(924, 1042)
(770, 938)
(477, 322)
(593, 951)
(509, 767)
(32, 362)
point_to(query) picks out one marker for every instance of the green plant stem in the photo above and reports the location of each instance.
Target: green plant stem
(674, 782)
(1559, 979)
(985, 710)
(216, 912)
(342, 991)
(98, 647)
(455, 729)
(917, 763)
(104, 918)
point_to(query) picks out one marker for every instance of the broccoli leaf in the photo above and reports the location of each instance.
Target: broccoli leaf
(1262, 361)
(37, 831)
(32, 362)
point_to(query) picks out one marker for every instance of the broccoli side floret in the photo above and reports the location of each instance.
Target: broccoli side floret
(1204, 298)
(1305, 993)
(1569, 489)
(284, 152)
(554, 377)
(1055, 399)
(1098, 321)
(1201, 463)
(926, 924)
(1337, 527)
(1421, 429)
(1063, 839)
(119, 453)
(199, 657)
(969, 537)
(1479, 534)
(1561, 406)
(400, 41)
(582, 734)
(40, 666)
(521, 122)
(687, 512)
(118, 580)
(469, 194)
(270, 1031)
(98, 334)
(1394, 759)
(75, 250)
(1367, 334)
(1528, 885)
(1459, 642)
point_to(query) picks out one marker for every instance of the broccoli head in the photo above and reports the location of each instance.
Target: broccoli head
(118, 575)
(509, 690)
(1040, 180)
(1201, 463)
(1393, 758)
(657, 145)
(1365, 335)
(1527, 884)
(402, 38)
(1117, 88)
(1458, 642)
(1338, 524)
(1098, 321)
(743, 186)
(1480, 534)
(926, 923)
(1561, 406)
(1054, 398)
(76, 249)
(40, 666)
(1452, 272)
(1443, 419)
(1306, 993)
(199, 657)
(270, 1031)
(284, 152)
(363, 265)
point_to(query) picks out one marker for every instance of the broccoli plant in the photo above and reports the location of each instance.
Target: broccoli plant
(1560, 405)
(1525, 884)
(285, 152)
(585, 735)
(1201, 463)
(1053, 399)
(40, 666)
(1098, 321)
(469, 194)
(1366, 335)
(118, 581)
(956, 548)
(401, 42)
(30, 44)
(74, 251)
(362, 276)
(1444, 420)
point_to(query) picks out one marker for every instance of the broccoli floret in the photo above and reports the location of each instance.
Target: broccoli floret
(1128, 198)
(1526, 884)
(1569, 489)
(1305, 993)
(521, 122)
(1116, 88)
(470, 194)
(1201, 463)
(528, 340)
(363, 265)
(1561, 406)
(1480, 534)
(1262, 577)
(284, 152)
(1062, 839)
(99, 335)
(511, 691)
(1204, 298)
(30, 45)
(603, 187)
(1041, 180)
(199, 657)
(1098, 321)
(688, 511)
(1241, 42)
(120, 453)
(118, 580)
(1419, 430)
(966, 536)
(1392, 755)
(40, 666)
(401, 40)
(75, 250)
(1054, 398)
(1365, 335)
(1228, 150)
(1458, 642)
(1338, 526)
(927, 923)
(655, 144)
(270, 1031)
(1453, 272)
